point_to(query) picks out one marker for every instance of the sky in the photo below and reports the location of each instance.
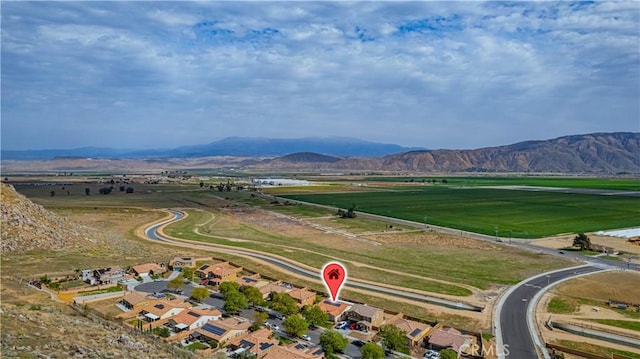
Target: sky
(138, 75)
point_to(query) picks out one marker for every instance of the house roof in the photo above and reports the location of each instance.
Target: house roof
(295, 351)
(183, 259)
(110, 270)
(335, 309)
(192, 315)
(134, 298)
(257, 341)
(365, 310)
(218, 329)
(162, 306)
(273, 288)
(449, 338)
(301, 294)
(413, 330)
(219, 269)
(147, 267)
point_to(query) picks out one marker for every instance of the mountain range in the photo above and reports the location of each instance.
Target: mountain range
(604, 153)
(231, 146)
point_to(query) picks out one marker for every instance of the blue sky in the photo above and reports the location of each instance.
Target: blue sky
(431, 74)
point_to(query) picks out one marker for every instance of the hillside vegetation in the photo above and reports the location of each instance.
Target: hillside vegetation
(28, 226)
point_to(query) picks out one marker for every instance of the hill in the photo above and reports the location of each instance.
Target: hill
(608, 153)
(308, 157)
(28, 226)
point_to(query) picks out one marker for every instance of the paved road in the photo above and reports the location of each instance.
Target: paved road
(152, 232)
(513, 315)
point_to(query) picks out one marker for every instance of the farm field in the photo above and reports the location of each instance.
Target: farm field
(623, 184)
(518, 214)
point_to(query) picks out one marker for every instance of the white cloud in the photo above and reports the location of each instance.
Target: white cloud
(418, 73)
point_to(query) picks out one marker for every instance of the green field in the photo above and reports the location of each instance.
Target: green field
(624, 184)
(520, 214)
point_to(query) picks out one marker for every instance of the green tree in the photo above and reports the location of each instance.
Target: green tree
(371, 350)
(200, 293)
(315, 316)
(283, 303)
(175, 283)
(331, 341)
(295, 325)
(188, 273)
(253, 294)
(582, 241)
(226, 287)
(448, 354)
(234, 302)
(393, 338)
(260, 317)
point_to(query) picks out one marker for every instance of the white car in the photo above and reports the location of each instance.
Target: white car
(305, 337)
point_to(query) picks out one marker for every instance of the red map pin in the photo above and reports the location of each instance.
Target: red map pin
(334, 274)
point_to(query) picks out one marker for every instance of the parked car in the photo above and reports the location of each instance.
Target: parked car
(431, 354)
(342, 325)
(305, 337)
(357, 343)
(179, 291)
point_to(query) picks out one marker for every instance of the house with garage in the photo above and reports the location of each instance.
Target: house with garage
(449, 338)
(252, 280)
(108, 275)
(148, 269)
(415, 332)
(334, 309)
(221, 330)
(366, 318)
(302, 296)
(214, 274)
(276, 287)
(192, 318)
(259, 343)
(163, 309)
(182, 262)
(134, 300)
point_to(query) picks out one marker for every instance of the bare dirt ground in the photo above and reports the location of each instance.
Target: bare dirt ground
(623, 286)
(620, 244)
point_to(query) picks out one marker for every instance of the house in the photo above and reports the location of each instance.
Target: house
(259, 342)
(303, 296)
(366, 317)
(274, 288)
(217, 273)
(134, 300)
(148, 269)
(295, 351)
(182, 262)
(107, 275)
(253, 280)
(163, 309)
(415, 332)
(192, 319)
(334, 309)
(443, 338)
(221, 330)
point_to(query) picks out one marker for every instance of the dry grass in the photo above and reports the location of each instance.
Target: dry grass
(622, 286)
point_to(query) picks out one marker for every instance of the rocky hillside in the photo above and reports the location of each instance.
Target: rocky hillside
(28, 226)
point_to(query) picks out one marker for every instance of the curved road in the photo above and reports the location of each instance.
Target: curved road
(512, 330)
(152, 233)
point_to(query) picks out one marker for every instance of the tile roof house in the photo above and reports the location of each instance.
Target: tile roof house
(415, 332)
(369, 317)
(133, 300)
(218, 272)
(192, 319)
(259, 342)
(107, 275)
(163, 309)
(251, 281)
(295, 351)
(182, 262)
(334, 309)
(222, 330)
(303, 296)
(442, 338)
(274, 288)
(148, 269)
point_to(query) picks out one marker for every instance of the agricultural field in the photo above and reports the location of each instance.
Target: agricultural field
(507, 213)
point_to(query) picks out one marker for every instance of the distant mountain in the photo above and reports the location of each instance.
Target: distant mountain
(307, 157)
(592, 153)
(232, 146)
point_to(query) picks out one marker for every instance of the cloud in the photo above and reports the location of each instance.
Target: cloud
(443, 74)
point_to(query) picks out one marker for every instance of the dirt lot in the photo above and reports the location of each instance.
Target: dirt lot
(622, 286)
(619, 244)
